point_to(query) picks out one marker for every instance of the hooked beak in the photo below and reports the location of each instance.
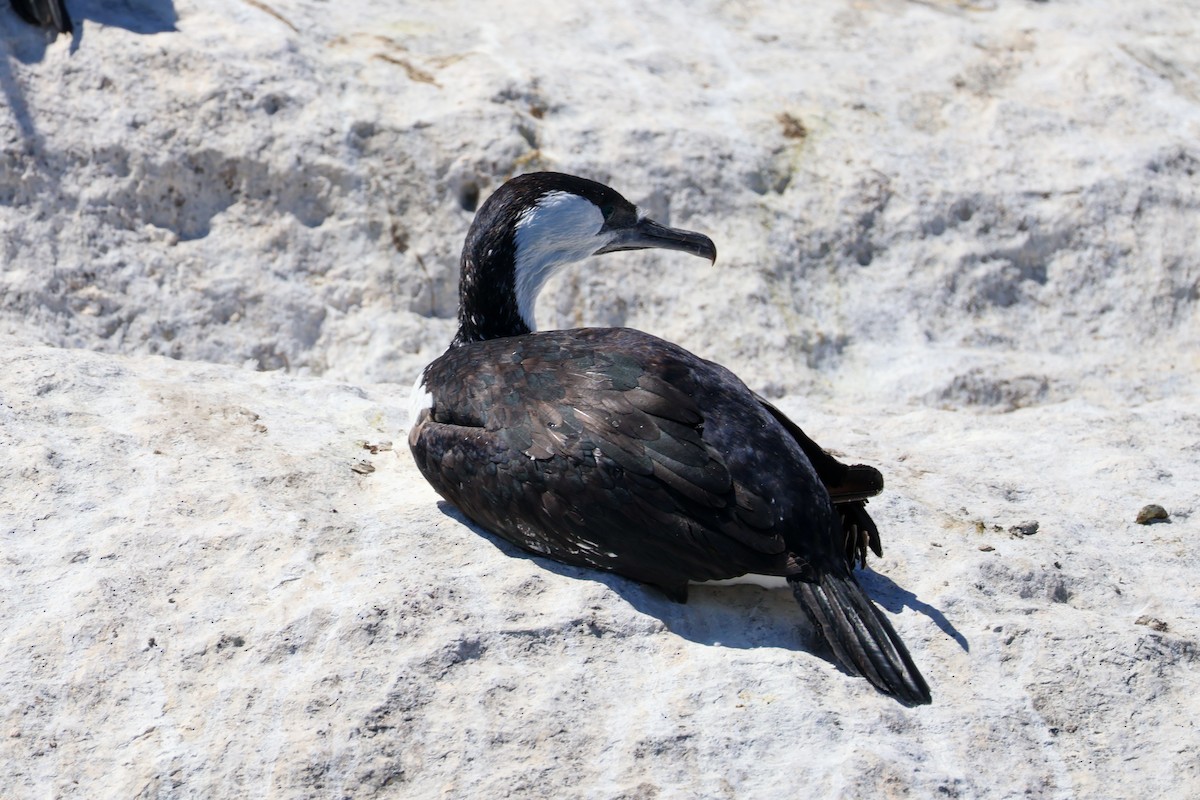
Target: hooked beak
(646, 233)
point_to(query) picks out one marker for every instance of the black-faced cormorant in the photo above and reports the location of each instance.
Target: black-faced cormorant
(45, 14)
(611, 448)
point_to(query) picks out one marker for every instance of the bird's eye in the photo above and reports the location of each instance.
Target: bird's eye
(607, 210)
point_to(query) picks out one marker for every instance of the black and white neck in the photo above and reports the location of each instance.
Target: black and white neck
(532, 227)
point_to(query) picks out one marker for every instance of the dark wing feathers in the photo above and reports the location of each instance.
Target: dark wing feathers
(752, 509)
(603, 405)
(629, 454)
(656, 396)
(660, 405)
(688, 483)
(591, 424)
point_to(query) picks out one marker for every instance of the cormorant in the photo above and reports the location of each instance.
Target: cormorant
(614, 449)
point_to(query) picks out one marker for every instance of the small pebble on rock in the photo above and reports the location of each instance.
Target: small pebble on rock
(1027, 528)
(1152, 513)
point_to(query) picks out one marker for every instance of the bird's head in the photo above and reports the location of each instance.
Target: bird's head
(536, 224)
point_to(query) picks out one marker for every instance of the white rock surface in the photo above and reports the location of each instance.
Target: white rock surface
(957, 239)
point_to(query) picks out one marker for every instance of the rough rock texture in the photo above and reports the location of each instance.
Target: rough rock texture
(958, 240)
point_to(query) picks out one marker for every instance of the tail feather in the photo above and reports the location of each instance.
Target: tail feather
(861, 636)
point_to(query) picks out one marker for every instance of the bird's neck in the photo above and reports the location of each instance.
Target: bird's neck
(487, 298)
(511, 252)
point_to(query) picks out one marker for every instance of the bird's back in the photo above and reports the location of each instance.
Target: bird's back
(614, 449)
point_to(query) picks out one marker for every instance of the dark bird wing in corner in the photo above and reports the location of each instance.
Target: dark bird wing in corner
(45, 14)
(849, 486)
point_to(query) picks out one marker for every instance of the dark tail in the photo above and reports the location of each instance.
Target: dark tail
(861, 637)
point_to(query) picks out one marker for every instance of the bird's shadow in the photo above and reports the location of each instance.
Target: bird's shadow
(894, 598)
(742, 616)
(145, 17)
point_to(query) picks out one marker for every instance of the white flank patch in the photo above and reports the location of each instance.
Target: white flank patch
(561, 229)
(419, 400)
(765, 581)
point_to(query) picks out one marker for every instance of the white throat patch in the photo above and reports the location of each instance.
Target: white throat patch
(561, 229)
